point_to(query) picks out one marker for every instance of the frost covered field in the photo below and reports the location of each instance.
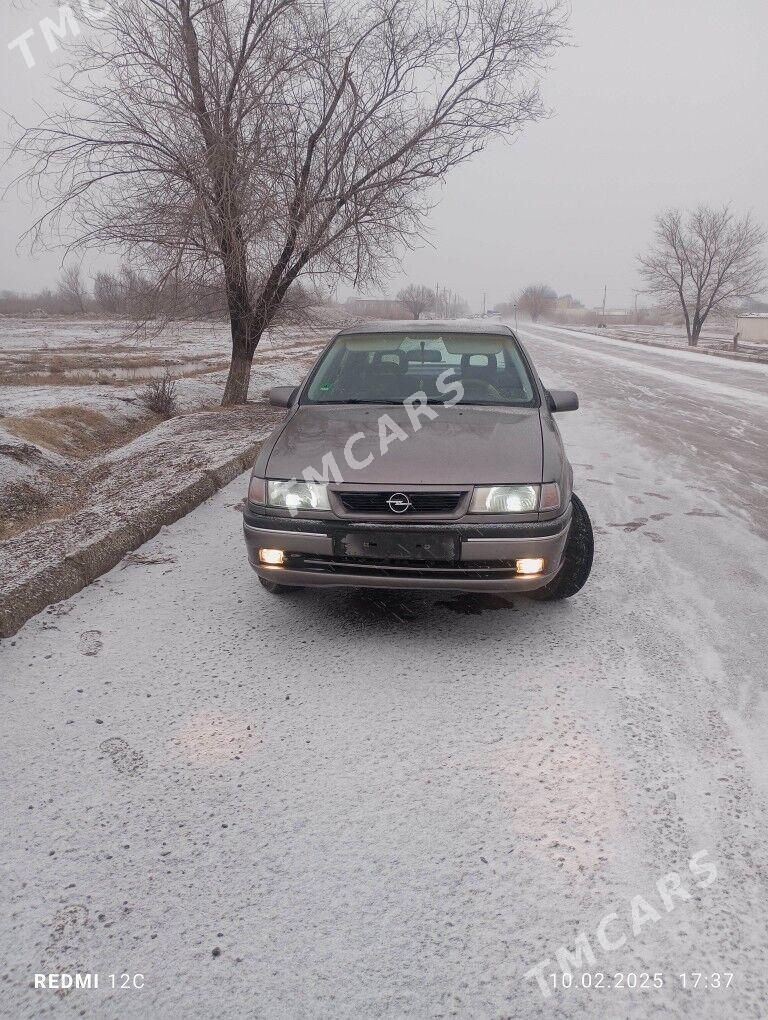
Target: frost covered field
(358, 805)
(72, 393)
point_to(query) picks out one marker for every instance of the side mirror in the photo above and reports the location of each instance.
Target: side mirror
(562, 400)
(283, 396)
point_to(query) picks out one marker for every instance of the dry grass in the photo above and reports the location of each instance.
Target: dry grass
(73, 431)
(100, 378)
(29, 379)
(23, 505)
(103, 367)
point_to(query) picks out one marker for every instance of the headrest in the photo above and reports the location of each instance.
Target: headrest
(466, 361)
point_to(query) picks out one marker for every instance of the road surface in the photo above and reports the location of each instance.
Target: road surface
(351, 805)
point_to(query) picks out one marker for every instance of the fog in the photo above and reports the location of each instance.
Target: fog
(655, 103)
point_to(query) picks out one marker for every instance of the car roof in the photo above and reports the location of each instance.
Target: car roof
(428, 326)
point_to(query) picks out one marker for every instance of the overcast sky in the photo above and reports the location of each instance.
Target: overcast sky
(657, 103)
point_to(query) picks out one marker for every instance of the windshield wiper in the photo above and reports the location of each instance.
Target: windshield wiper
(395, 402)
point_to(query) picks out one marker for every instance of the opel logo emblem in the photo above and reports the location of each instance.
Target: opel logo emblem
(398, 503)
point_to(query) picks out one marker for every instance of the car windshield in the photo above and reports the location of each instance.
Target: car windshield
(375, 368)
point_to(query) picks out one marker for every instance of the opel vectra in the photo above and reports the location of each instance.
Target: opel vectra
(419, 455)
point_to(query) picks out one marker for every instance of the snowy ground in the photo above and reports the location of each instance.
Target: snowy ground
(72, 390)
(350, 805)
(718, 339)
(110, 364)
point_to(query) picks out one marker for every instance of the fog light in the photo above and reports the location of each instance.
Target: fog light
(274, 557)
(530, 566)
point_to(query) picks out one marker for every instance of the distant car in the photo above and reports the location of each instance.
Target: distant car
(419, 455)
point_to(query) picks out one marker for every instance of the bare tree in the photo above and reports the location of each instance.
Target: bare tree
(536, 300)
(72, 289)
(704, 260)
(262, 140)
(449, 304)
(108, 293)
(417, 299)
(137, 295)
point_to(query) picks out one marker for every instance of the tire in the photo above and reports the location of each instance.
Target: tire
(577, 561)
(279, 589)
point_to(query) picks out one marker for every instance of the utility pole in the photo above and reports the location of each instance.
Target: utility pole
(605, 292)
(483, 302)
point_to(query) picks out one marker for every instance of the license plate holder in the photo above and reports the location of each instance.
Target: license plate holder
(378, 545)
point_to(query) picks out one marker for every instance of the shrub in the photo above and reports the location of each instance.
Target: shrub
(159, 396)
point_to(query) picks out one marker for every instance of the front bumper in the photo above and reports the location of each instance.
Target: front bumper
(484, 557)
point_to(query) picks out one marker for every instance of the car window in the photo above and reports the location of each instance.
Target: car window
(390, 367)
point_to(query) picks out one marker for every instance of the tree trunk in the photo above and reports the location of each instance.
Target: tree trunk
(236, 390)
(686, 315)
(245, 340)
(693, 336)
(246, 329)
(249, 316)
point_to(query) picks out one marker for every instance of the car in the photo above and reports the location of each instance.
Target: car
(419, 455)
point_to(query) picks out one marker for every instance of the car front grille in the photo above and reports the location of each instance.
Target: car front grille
(420, 502)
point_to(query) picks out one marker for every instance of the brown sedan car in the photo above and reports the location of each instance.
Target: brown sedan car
(419, 455)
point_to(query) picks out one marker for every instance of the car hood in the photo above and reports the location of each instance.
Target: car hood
(462, 445)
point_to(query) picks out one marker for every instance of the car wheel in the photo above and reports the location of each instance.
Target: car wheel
(279, 589)
(577, 561)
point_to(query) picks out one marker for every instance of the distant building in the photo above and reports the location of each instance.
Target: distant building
(567, 303)
(753, 326)
(611, 316)
(376, 308)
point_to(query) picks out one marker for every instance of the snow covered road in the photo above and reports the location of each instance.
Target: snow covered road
(360, 805)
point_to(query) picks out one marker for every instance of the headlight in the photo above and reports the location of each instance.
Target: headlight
(504, 499)
(298, 495)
